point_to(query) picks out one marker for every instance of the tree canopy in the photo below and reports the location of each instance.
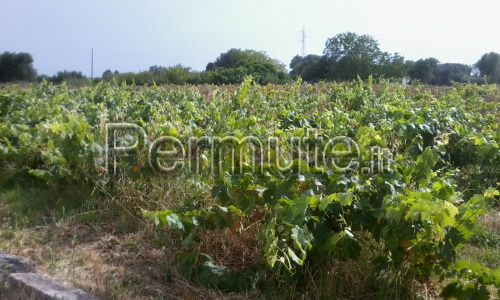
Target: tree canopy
(233, 65)
(489, 66)
(425, 69)
(16, 67)
(235, 58)
(349, 55)
(350, 45)
(311, 67)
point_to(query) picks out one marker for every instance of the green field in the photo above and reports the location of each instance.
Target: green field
(398, 201)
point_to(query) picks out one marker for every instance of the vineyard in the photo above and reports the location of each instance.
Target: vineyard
(358, 190)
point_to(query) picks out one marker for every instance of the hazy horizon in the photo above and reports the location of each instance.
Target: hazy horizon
(131, 36)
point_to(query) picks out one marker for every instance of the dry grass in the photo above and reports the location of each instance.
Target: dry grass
(491, 220)
(110, 251)
(233, 248)
(110, 265)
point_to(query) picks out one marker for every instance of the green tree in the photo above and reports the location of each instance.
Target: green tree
(446, 73)
(351, 55)
(232, 66)
(156, 70)
(392, 65)
(177, 74)
(350, 44)
(16, 67)
(234, 58)
(70, 77)
(107, 75)
(310, 68)
(425, 70)
(489, 65)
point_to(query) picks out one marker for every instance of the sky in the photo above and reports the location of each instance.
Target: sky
(131, 36)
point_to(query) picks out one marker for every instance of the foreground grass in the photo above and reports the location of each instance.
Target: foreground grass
(102, 245)
(98, 243)
(484, 247)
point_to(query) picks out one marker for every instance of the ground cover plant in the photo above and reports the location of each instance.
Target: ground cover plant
(365, 189)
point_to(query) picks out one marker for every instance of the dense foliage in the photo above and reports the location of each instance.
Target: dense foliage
(230, 67)
(441, 146)
(234, 65)
(489, 66)
(16, 67)
(349, 55)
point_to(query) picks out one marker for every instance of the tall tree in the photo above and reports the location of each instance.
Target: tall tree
(425, 70)
(16, 67)
(350, 44)
(489, 65)
(391, 66)
(446, 73)
(351, 55)
(309, 68)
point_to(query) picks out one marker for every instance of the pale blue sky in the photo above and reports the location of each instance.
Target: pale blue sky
(133, 35)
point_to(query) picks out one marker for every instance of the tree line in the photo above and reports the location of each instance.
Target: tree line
(349, 55)
(346, 56)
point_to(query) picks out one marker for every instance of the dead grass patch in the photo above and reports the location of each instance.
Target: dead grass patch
(107, 264)
(233, 248)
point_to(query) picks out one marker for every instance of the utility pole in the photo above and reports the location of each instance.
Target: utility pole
(92, 63)
(303, 41)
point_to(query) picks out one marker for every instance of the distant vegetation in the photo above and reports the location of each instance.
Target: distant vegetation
(16, 67)
(346, 56)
